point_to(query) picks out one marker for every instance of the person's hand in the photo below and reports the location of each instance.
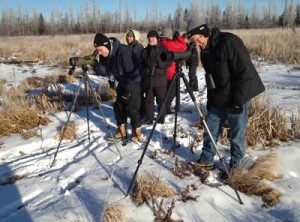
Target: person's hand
(236, 108)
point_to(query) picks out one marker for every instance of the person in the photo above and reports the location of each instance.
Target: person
(234, 83)
(155, 70)
(120, 61)
(192, 64)
(132, 40)
(173, 42)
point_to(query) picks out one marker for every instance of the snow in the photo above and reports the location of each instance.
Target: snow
(87, 175)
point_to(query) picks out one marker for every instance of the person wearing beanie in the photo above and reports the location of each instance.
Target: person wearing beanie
(156, 79)
(132, 40)
(120, 62)
(226, 59)
(175, 43)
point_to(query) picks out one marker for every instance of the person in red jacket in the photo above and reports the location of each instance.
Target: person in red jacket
(173, 42)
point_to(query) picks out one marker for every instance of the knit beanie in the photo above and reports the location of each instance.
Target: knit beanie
(102, 40)
(130, 34)
(153, 33)
(200, 30)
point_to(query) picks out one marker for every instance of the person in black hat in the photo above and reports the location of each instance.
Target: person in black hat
(155, 71)
(121, 62)
(235, 82)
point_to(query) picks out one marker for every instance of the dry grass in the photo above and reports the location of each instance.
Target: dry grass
(149, 186)
(252, 181)
(19, 119)
(19, 114)
(67, 132)
(47, 104)
(266, 125)
(113, 213)
(29, 134)
(266, 43)
(2, 88)
(295, 124)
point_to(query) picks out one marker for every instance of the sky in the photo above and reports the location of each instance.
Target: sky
(166, 7)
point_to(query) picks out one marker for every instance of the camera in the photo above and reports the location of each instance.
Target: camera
(175, 56)
(82, 61)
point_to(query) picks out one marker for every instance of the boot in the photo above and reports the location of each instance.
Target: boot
(121, 132)
(136, 134)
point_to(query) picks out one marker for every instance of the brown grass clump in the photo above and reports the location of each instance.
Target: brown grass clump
(251, 181)
(109, 94)
(295, 124)
(159, 215)
(20, 119)
(67, 132)
(29, 134)
(181, 171)
(147, 187)
(266, 125)
(2, 88)
(33, 82)
(113, 213)
(48, 104)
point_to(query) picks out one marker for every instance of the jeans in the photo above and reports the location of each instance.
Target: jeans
(238, 125)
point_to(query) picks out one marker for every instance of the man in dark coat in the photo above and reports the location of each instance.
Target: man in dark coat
(132, 39)
(121, 62)
(233, 84)
(155, 71)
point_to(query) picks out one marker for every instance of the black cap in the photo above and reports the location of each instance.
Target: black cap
(102, 40)
(153, 33)
(200, 30)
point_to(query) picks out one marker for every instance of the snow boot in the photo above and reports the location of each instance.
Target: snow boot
(121, 134)
(136, 134)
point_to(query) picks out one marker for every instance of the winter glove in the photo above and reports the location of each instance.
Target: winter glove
(236, 108)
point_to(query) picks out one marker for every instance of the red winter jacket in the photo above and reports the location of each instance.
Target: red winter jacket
(177, 45)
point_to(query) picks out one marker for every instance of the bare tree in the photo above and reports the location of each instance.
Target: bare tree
(178, 18)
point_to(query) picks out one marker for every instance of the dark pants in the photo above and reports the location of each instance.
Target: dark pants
(128, 105)
(159, 94)
(172, 94)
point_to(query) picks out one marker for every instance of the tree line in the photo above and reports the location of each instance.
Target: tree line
(91, 19)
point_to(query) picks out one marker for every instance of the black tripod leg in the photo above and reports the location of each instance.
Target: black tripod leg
(176, 114)
(210, 136)
(150, 136)
(87, 107)
(97, 99)
(68, 119)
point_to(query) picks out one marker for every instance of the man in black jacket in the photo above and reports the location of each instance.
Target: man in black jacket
(235, 81)
(155, 71)
(121, 62)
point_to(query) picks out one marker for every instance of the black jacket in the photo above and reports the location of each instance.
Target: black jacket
(137, 49)
(122, 64)
(154, 66)
(228, 60)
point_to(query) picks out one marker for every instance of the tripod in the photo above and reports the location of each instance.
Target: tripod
(87, 89)
(179, 74)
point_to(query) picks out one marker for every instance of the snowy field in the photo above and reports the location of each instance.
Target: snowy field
(87, 175)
